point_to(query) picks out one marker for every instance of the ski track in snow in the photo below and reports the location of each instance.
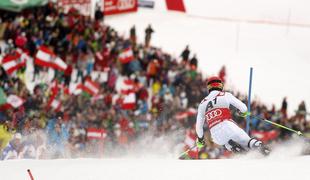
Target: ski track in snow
(283, 163)
(154, 169)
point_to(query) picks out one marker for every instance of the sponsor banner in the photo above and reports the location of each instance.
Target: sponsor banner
(146, 3)
(94, 133)
(19, 5)
(83, 6)
(119, 6)
(175, 5)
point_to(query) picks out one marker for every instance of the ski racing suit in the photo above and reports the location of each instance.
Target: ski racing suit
(214, 109)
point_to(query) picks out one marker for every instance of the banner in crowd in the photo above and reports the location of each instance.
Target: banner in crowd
(83, 6)
(94, 133)
(111, 7)
(175, 5)
(146, 3)
(19, 5)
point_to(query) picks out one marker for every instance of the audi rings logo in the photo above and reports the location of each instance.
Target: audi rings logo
(125, 4)
(213, 114)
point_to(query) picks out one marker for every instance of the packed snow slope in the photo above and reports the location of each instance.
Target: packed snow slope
(151, 169)
(159, 160)
(279, 53)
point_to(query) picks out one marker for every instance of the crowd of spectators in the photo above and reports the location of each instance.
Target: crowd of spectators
(166, 90)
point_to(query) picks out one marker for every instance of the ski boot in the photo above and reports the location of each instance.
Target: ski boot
(258, 145)
(236, 148)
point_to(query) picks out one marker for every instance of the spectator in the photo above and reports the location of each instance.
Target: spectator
(133, 36)
(99, 16)
(194, 62)
(164, 90)
(152, 70)
(302, 110)
(57, 139)
(148, 35)
(185, 54)
(284, 108)
(11, 151)
(5, 134)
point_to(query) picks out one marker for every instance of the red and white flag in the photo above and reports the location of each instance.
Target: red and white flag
(46, 57)
(14, 101)
(185, 114)
(126, 88)
(126, 56)
(89, 86)
(13, 62)
(129, 101)
(54, 103)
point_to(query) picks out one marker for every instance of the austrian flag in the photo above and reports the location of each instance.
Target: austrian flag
(90, 87)
(13, 62)
(46, 57)
(54, 104)
(129, 101)
(126, 56)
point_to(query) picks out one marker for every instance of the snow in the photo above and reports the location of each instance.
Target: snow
(266, 10)
(159, 160)
(279, 53)
(154, 169)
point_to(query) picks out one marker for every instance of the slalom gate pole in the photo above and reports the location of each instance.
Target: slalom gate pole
(30, 174)
(278, 125)
(248, 119)
(185, 152)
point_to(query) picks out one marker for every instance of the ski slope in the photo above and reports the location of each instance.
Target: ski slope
(159, 160)
(279, 53)
(155, 169)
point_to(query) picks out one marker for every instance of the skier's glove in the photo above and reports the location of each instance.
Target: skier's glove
(200, 142)
(245, 114)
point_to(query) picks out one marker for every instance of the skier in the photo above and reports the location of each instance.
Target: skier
(214, 109)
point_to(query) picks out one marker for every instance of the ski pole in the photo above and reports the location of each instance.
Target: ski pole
(278, 125)
(185, 152)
